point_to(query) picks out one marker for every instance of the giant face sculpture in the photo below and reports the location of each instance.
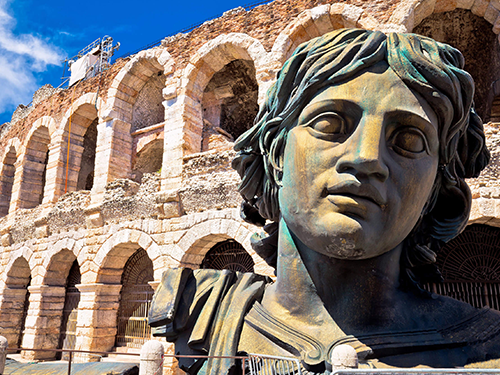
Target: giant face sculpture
(359, 166)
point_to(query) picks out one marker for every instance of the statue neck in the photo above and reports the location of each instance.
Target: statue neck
(355, 293)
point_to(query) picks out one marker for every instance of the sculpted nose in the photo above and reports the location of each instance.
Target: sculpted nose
(363, 155)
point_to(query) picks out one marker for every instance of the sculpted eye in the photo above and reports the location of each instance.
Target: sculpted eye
(408, 141)
(328, 123)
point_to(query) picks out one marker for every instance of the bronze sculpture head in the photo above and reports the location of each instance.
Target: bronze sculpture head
(358, 157)
(432, 70)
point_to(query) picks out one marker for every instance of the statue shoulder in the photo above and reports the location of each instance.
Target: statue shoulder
(188, 299)
(202, 311)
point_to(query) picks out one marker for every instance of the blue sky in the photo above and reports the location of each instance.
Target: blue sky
(35, 35)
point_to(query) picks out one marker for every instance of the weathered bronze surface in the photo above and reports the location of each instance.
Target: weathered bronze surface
(357, 161)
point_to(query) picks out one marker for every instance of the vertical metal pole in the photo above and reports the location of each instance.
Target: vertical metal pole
(69, 362)
(243, 366)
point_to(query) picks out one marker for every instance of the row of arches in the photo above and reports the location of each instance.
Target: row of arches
(203, 107)
(470, 265)
(134, 295)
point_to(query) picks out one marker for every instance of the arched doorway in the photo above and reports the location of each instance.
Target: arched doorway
(7, 180)
(470, 265)
(35, 169)
(229, 104)
(67, 337)
(87, 163)
(135, 300)
(228, 255)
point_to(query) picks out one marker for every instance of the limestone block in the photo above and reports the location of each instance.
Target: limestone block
(321, 18)
(351, 14)
(171, 209)
(404, 15)
(445, 5)
(491, 14)
(6, 240)
(496, 26)
(368, 22)
(495, 4)
(422, 10)
(465, 4)
(42, 232)
(336, 18)
(305, 20)
(479, 7)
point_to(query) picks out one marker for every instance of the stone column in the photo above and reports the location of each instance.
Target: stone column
(15, 202)
(97, 312)
(43, 322)
(113, 155)
(11, 308)
(55, 177)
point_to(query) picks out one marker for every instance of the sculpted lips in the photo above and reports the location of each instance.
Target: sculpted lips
(356, 190)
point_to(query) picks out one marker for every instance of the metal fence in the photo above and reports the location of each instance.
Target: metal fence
(257, 364)
(448, 371)
(273, 365)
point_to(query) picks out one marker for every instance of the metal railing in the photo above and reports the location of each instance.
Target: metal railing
(449, 371)
(273, 365)
(257, 364)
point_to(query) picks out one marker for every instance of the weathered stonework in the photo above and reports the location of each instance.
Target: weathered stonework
(162, 179)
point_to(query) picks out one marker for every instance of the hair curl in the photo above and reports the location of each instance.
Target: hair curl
(432, 69)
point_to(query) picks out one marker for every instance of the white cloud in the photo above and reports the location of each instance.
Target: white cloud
(21, 57)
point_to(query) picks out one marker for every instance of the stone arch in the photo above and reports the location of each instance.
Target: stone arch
(410, 14)
(469, 31)
(317, 21)
(14, 297)
(211, 58)
(7, 172)
(59, 259)
(79, 130)
(133, 77)
(18, 270)
(116, 250)
(29, 187)
(200, 238)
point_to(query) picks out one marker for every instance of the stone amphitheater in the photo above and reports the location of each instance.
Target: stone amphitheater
(107, 183)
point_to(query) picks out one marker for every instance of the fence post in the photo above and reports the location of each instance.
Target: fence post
(344, 357)
(151, 358)
(3, 353)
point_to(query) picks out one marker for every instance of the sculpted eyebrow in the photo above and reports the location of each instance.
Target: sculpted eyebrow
(413, 119)
(329, 105)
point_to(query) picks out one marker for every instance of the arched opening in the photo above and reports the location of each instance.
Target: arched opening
(229, 104)
(67, 336)
(135, 300)
(148, 160)
(17, 282)
(87, 164)
(228, 255)
(80, 135)
(148, 108)
(472, 35)
(35, 169)
(470, 265)
(7, 180)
